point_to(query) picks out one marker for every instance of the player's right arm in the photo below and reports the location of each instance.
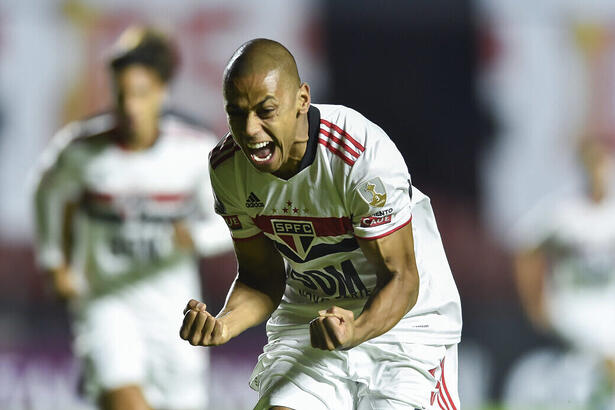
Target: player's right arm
(60, 274)
(253, 296)
(261, 277)
(56, 189)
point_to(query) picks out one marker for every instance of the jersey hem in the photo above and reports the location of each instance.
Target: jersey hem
(404, 336)
(247, 237)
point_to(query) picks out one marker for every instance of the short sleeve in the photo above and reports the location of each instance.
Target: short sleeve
(379, 190)
(230, 208)
(535, 227)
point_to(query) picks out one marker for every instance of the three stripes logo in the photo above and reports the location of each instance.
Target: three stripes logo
(253, 201)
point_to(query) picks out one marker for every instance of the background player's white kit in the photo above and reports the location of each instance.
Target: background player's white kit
(575, 235)
(133, 273)
(353, 182)
(580, 284)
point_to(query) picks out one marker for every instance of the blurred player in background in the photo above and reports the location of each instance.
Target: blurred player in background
(123, 201)
(565, 272)
(326, 224)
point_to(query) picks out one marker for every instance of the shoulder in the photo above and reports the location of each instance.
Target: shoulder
(227, 170)
(349, 122)
(348, 134)
(221, 155)
(73, 143)
(541, 220)
(181, 127)
(339, 132)
(91, 131)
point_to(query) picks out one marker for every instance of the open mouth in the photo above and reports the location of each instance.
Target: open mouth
(261, 151)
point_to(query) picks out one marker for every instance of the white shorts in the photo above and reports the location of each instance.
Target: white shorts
(373, 375)
(132, 338)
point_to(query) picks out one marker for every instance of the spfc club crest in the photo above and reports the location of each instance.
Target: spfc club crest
(298, 235)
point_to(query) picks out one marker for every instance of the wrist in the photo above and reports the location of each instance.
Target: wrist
(361, 333)
(229, 327)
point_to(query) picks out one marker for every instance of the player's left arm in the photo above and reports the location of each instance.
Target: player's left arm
(397, 288)
(395, 294)
(379, 198)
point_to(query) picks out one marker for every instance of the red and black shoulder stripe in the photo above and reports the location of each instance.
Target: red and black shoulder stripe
(339, 142)
(224, 150)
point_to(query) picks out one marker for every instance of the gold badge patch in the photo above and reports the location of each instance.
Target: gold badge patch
(373, 192)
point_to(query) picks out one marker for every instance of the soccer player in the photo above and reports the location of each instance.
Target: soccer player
(334, 245)
(565, 273)
(122, 201)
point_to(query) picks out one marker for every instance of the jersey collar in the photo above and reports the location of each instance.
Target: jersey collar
(312, 144)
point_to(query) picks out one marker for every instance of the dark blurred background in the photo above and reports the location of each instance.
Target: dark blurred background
(456, 84)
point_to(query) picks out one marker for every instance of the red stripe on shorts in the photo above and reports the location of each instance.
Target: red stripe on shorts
(448, 395)
(442, 403)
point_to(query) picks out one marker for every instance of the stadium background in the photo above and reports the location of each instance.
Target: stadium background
(484, 99)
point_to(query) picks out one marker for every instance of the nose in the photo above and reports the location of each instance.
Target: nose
(253, 124)
(132, 106)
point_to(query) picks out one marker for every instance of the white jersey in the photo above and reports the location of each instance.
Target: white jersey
(353, 183)
(134, 276)
(578, 238)
(127, 200)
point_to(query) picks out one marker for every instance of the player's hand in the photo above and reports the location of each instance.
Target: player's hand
(63, 282)
(333, 329)
(200, 328)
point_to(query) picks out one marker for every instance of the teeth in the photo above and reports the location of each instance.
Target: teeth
(257, 145)
(257, 159)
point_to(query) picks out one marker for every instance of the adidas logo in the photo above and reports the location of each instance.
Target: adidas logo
(253, 201)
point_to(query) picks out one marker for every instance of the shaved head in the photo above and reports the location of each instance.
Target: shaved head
(266, 106)
(261, 56)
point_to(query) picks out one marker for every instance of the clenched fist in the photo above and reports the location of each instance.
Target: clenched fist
(200, 328)
(333, 329)
(64, 283)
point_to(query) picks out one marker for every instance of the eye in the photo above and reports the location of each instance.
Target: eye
(266, 112)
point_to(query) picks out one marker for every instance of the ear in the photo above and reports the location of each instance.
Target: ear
(303, 98)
